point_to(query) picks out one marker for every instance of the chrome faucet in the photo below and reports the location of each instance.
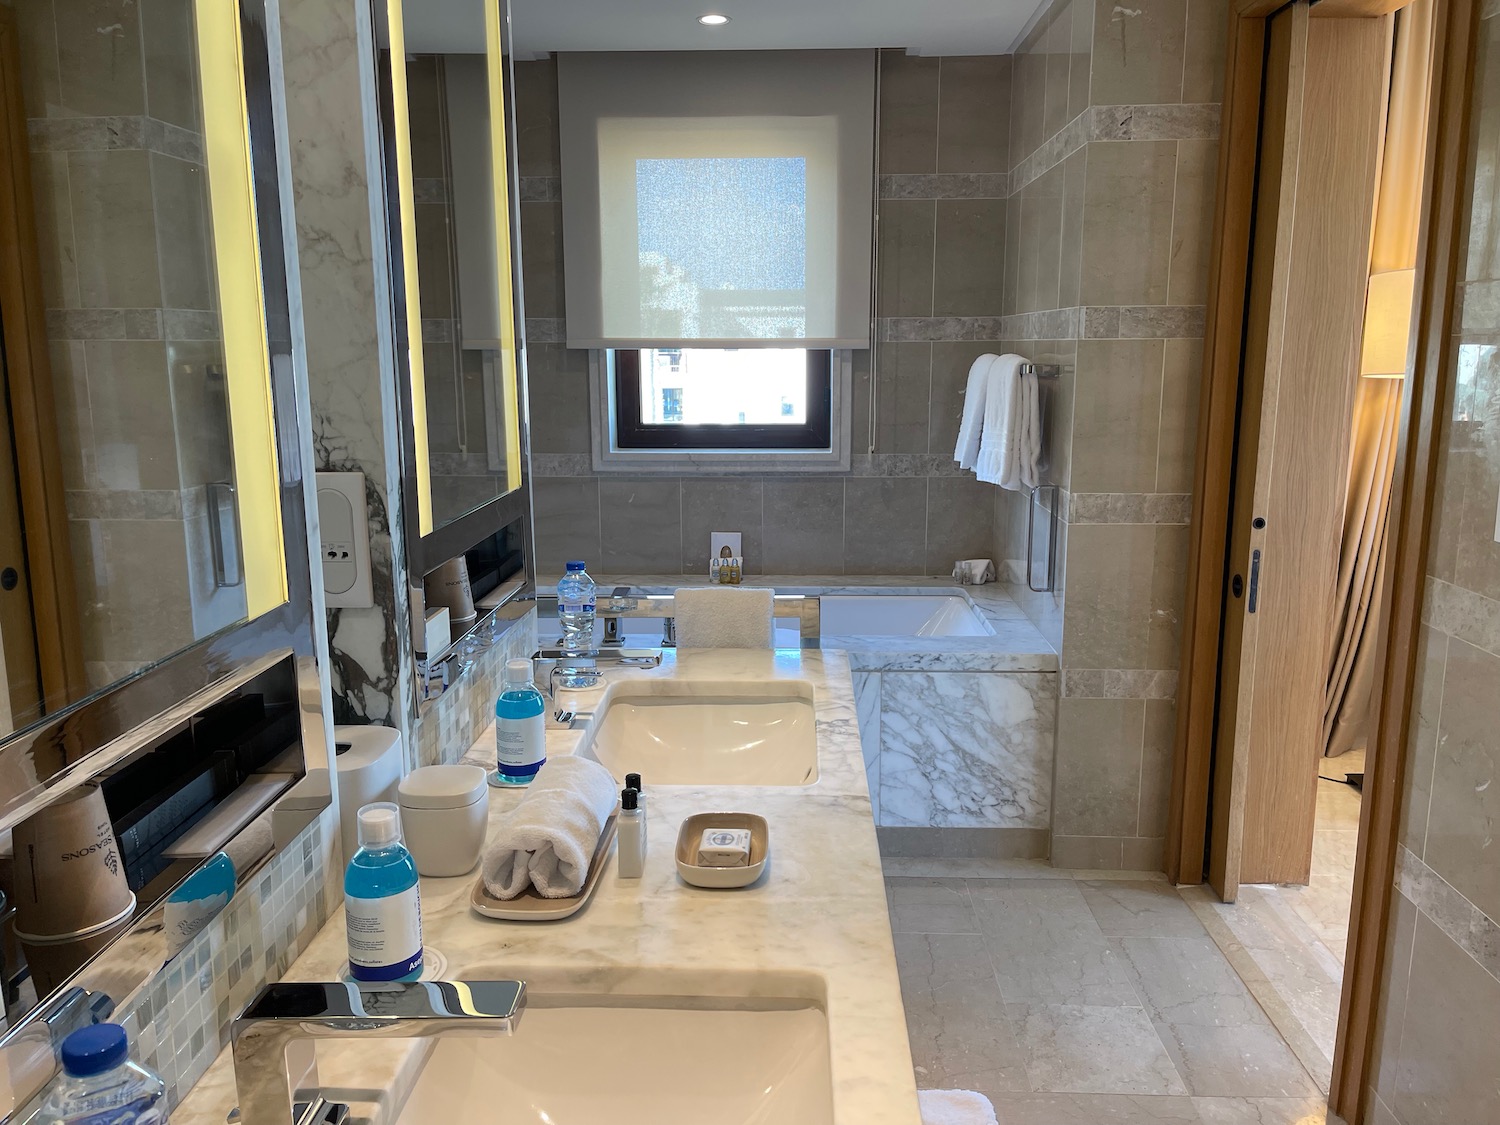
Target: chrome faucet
(283, 1014)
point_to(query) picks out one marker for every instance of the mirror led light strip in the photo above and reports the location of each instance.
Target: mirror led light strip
(247, 360)
(504, 288)
(405, 201)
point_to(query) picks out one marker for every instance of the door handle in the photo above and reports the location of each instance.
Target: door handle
(1237, 586)
(1254, 580)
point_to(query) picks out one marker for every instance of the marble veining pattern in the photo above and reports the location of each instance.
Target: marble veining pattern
(966, 749)
(813, 923)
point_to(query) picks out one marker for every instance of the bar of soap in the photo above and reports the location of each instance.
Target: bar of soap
(724, 847)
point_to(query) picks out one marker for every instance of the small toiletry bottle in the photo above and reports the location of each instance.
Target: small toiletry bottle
(633, 781)
(520, 727)
(632, 835)
(382, 903)
(100, 1083)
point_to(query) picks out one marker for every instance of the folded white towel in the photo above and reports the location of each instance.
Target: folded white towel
(955, 1107)
(966, 452)
(724, 617)
(550, 838)
(1029, 449)
(999, 446)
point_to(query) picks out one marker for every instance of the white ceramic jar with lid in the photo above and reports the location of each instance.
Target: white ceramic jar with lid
(444, 810)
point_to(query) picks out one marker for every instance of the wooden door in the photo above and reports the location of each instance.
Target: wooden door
(1322, 115)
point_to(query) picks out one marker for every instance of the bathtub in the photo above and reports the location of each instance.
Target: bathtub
(900, 615)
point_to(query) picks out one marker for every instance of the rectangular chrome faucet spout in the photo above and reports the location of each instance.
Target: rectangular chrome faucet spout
(282, 1014)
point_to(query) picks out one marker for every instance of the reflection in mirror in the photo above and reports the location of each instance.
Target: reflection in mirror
(447, 136)
(138, 500)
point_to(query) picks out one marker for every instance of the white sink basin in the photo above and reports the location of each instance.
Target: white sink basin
(705, 733)
(635, 1060)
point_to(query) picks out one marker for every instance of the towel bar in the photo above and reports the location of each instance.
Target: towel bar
(1042, 370)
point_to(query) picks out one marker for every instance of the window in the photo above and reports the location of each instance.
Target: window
(723, 398)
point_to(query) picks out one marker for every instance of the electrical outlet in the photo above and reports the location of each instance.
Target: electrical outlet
(344, 539)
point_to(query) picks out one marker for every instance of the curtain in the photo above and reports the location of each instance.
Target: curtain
(1348, 707)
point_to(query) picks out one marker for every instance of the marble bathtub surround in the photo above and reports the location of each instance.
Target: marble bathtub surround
(812, 924)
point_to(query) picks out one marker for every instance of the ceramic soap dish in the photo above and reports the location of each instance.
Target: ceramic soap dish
(691, 833)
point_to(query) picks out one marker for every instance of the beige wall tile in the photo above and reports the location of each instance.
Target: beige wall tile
(886, 525)
(974, 114)
(640, 522)
(1047, 215)
(133, 588)
(41, 89)
(567, 524)
(99, 58)
(903, 286)
(114, 230)
(542, 259)
(722, 504)
(1070, 251)
(1464, 796)
(1087, 853)
(951, 361)
(1156, 767)
(1391, 1010)
(170, 51)
(804, 526)
(1203, 57)
(1080, 56)
(205, 449)
(1098, 766)
(435, 260)
(53, 213)
(1117, 415)
(1450, 1041)
(1181, 379)
(1192, 221)
(1057, 397)
(969, 260)
(960, 522)
(1168, 590)
(536, 118)
(904, 374)
(1029, 99)
(184, 239)
(908, 112)
(424, 102)
(438, 364)
(135, 443)
(1127, 222)
(558, 383)
(1012, 301)
(1111, 586)
(1057, 44)
(1453, 471)
(75, 419)
(1138, 51)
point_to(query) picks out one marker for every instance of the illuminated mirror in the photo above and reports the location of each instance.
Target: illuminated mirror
(139, 503)
(446, 118)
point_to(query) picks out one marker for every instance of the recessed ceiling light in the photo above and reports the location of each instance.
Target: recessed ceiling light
(713, 19)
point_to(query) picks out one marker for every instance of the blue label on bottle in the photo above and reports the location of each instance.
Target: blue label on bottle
(519, 771)
(385, 935)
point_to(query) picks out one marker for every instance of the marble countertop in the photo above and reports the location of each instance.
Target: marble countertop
(1016, 645)
(818, 914)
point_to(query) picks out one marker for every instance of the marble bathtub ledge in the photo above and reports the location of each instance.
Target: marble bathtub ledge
(815, 927)
(1016, 645)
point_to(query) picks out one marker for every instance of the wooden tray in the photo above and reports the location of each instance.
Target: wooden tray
(529, 906)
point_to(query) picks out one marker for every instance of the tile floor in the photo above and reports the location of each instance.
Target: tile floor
(1084, 998)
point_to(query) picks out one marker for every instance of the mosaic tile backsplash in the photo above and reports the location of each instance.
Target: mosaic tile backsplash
(178, 1021)
(449, 727)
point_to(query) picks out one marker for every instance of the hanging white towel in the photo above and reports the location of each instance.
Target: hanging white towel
(966, 453)
(724, 617)
(1000, 445)
(1030, 446)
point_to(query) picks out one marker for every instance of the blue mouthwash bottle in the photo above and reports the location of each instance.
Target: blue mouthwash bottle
(382, 904)
(520, 727)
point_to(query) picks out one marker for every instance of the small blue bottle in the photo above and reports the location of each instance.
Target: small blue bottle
(382, 902)
(520, 728)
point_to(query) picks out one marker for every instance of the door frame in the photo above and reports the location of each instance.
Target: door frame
(1425, 400)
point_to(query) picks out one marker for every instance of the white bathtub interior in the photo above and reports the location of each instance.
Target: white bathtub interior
(900, 615)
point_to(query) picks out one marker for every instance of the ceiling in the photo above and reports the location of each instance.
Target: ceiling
(926, 27)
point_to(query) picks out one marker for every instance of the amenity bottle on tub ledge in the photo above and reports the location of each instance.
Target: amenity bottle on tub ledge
(382, 903)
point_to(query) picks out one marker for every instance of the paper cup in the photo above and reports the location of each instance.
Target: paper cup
(448, 585)
(68, 875)
(54, 958)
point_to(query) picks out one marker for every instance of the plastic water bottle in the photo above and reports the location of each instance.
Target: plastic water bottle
(520, 727)
(382, 902)
(575, 608)
(100, 1085)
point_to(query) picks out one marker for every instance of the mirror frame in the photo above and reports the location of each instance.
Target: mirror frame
(67, 748)
(450, 540)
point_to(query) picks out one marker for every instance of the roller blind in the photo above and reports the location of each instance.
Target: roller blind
(718, 198)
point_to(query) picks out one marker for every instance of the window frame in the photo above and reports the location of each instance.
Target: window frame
(635, 435)
(607, 456)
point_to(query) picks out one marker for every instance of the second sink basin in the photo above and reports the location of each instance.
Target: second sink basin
(709, 733)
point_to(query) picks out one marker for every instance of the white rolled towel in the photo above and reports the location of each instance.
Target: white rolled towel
(548, 841)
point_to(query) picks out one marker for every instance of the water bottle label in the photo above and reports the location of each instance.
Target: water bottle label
(520, 745)
(575, 607)
(385, 935)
